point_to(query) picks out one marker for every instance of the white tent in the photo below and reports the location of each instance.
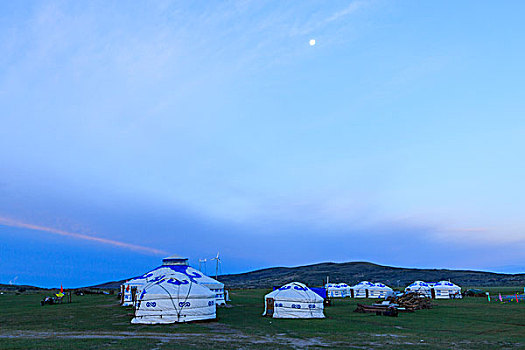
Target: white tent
(337, 290)
(174, 299)
(127, 289)
(380, 291)
(173, 265)
(420, 287)
(360, 290)
(446, 290)
(293, 300)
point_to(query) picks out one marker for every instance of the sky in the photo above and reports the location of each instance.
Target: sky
(133, 131)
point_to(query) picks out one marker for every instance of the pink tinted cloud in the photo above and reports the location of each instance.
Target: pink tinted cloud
(134, 247)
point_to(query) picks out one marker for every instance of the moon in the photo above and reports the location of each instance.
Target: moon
(312, 42)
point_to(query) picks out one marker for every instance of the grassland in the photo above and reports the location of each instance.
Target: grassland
(97, 322)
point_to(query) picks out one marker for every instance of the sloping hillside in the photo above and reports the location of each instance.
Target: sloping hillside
(18, 288)
(109, 285)
(353, 272)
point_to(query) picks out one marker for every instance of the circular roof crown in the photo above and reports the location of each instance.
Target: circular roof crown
(175, 260)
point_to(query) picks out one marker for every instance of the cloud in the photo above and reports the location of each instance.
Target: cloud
(471, 229)
(134, 247)
(320, 23)
(353, 7)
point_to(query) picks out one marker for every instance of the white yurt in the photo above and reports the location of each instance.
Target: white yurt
(293, 300)
(360, 290)
(380, 291)
(127, 289)
(177, 264)
(345, 289)
(337, 290)
(174, 299)
(420, 287)
(446, 290)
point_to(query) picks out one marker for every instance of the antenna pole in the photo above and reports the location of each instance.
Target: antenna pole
(217, 261)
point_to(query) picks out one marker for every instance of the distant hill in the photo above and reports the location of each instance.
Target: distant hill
(110, 285)
(18, 288)
(353, 272)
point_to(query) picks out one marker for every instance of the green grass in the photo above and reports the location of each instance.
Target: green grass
(97, 322)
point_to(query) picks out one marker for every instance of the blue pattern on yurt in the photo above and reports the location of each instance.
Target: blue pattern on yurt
(176, 268)
(300, 288)
(176, 282)
(445, 283)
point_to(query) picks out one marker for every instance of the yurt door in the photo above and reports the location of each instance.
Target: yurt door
(133, 294)
(269, 306)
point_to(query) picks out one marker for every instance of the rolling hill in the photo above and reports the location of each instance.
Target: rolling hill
(18, 288)
(353, 272)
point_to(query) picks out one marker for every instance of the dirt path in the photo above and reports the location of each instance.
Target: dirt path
(234, 339)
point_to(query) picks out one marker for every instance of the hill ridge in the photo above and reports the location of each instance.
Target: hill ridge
(356, 271)
(353, 272)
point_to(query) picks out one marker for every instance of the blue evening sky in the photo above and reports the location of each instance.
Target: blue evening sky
(134, 130)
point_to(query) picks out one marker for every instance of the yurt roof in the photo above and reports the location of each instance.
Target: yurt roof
(176, 286)
(446, 284)
(419, 284)
(134, 281)
(295, 291)
(380, 286)
(336, 285)
(364, 284)
(193, 274)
